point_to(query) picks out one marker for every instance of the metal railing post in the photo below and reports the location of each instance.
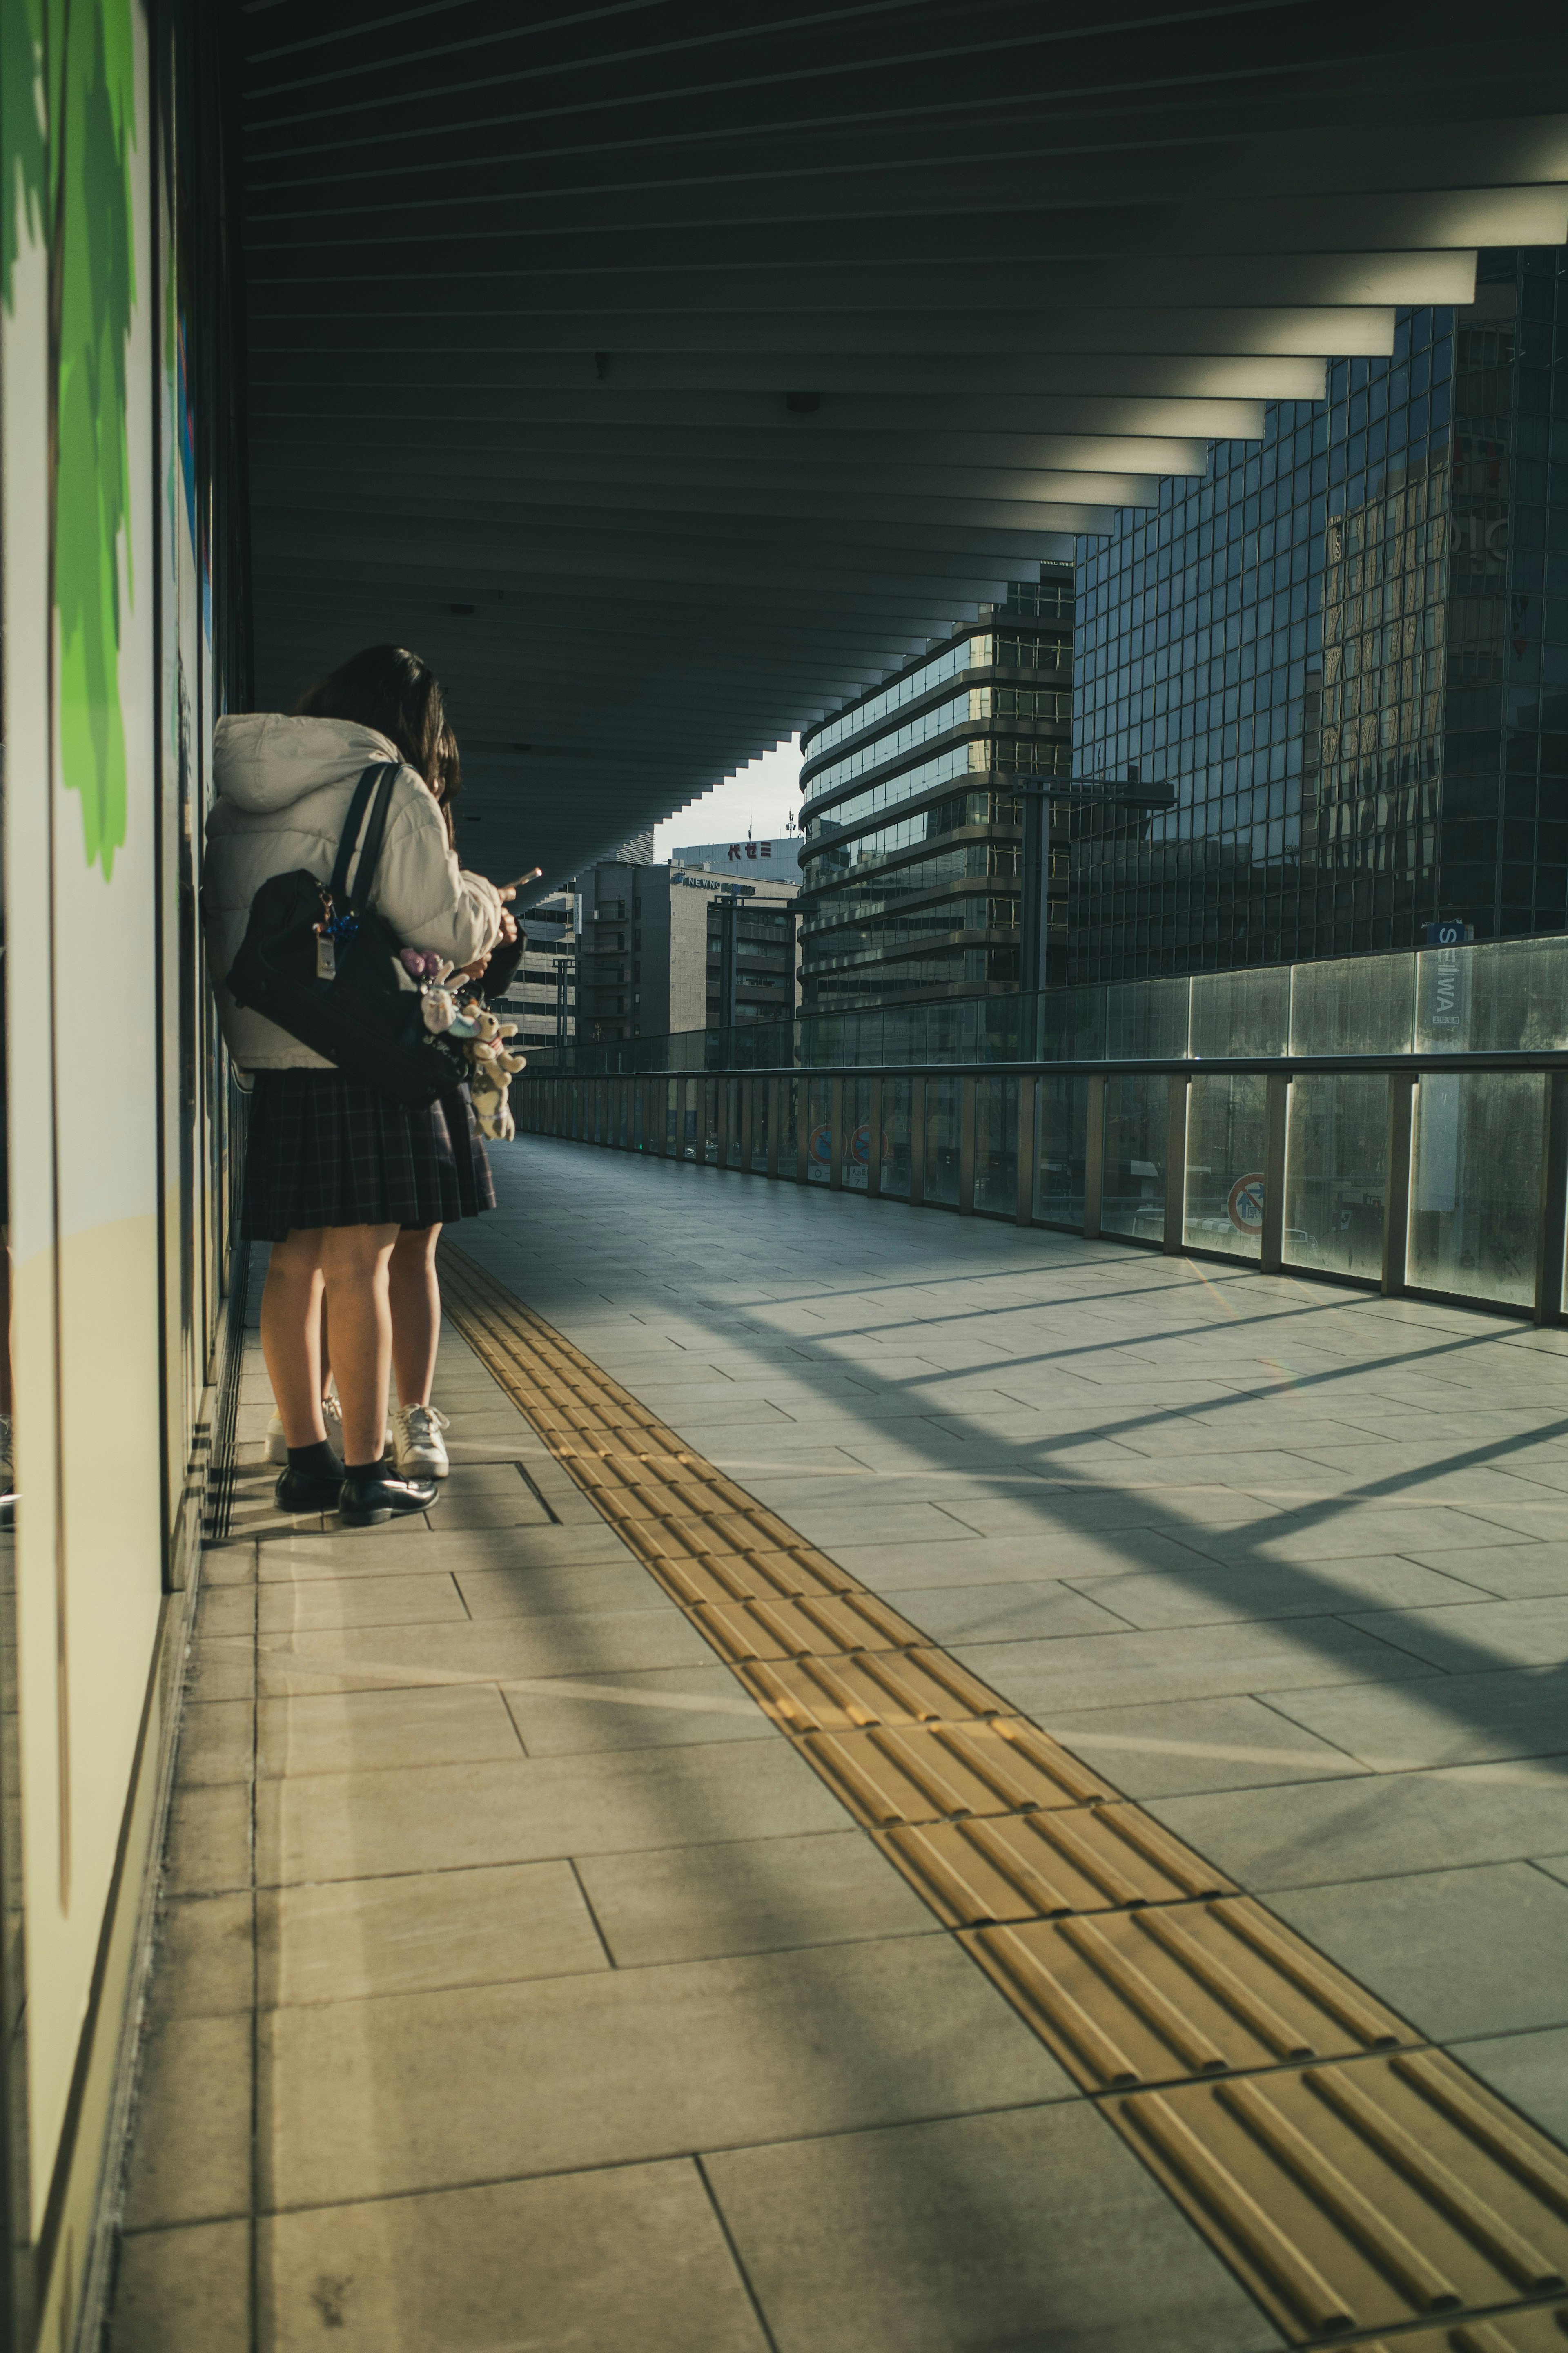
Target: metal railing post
(1277, 1114)
(1024, 1213)
(1550, 1246)
(1094, 1161)
(917, 1143)
(775, 1114)
(874, 1140)
(968, 1120)
(1176, 1165)
(1396, 1187)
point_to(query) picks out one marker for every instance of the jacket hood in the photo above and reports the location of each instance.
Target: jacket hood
(265, 760)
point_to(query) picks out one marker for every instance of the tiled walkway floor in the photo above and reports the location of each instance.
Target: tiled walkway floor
(519, 1987)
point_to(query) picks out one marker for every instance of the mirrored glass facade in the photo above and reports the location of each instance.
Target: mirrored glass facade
(913, 821)
(1346, 651)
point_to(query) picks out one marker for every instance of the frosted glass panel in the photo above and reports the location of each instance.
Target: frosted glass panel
(896, 1137)
(1354, 1005)
(1505, 996)
(996, 1145)
(819, 1138)
(1336, 1173)
(1237, 1013)
(941, 1141)
(857, 1132)
(1136, 1130)
(1225, 1132)
(1475, 1191)
(1061, 1133)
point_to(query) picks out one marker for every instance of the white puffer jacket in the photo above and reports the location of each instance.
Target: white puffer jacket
(283, 791)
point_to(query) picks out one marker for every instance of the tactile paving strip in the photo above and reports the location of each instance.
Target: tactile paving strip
(1354, 2179)
(1164, 1993)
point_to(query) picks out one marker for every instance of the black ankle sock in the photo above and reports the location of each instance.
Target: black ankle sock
(316, 1462)
(365, 1469)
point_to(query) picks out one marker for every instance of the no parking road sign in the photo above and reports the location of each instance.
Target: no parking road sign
(1246, 1203)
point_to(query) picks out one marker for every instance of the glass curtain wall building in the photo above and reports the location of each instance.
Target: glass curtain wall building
(913, 821)
(1346, 652)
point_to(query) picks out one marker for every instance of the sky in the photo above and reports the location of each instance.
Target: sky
(758, 799)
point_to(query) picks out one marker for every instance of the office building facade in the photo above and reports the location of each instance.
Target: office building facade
(667, 948)
(541, 998)
(913, 818)
(1346, 655)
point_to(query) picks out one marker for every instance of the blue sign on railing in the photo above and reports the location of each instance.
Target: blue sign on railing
(1450, 936)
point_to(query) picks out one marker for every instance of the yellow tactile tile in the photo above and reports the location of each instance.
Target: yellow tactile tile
(945, 1772)
(1036, 1866)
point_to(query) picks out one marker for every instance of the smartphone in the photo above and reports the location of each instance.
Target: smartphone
(532, 875)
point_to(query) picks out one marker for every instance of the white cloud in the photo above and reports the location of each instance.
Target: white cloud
(757, 801)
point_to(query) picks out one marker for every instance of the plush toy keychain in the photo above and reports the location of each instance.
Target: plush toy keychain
(491, 1066)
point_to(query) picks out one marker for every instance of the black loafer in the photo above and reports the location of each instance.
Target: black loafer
(309, 1491)
(366, 1497)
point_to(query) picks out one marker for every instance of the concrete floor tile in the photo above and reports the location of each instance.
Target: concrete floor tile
(1202, 1591)
(530, 1593)
(207, 1848)
(230, 1563)
(1043, 1610)
(594, 2262)
(217, 1740)
(184, 2291)
(1198, 1745)
(359, 1825)
(202, 1957)
(429, 2091)
(603, 1642)
(415, 1548)
(190, 2159)
(320, 1603)
(1478, 1634)
(674, 1707)
(1530, 2070)
(376, 1731)
(1512, 1572)
(1482, 1951)
(358, 1937)
(1183, 1662)
(943, 2238)
(1439, 1720)
(1379, 1825)
(757, 1896)
(224, 1609)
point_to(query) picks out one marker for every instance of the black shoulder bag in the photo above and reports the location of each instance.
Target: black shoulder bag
(322, 964)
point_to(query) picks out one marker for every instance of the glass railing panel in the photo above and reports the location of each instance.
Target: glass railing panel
(857, 1134)
(1146, 1020)
(1506, 996)
(820, 1130)
(694, 1142)
(1336, 1173)
(1239, 1013)
(1137, 1125)
(1061, 1142)
(761, 1104)
(735, 1089)
(789, 1125)
(941, 1141)
(1225, 1135)
(997, 1146)
(1072, 1025)
(1475, 1191)
(1354, 1005)
(896, 1137)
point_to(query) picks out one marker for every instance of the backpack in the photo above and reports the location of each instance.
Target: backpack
(321, 963)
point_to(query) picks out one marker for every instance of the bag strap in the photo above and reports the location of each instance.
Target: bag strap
(385, 775)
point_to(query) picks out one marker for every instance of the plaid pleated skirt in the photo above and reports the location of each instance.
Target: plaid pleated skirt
(323, 1151)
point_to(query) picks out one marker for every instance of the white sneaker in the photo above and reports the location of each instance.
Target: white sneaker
(416, 1435)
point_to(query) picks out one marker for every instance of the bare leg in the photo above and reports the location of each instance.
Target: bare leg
(415, 1314)
(353, 1261)
(290, 1335)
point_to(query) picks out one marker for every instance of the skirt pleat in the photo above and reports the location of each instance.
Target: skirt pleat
(323, 1151)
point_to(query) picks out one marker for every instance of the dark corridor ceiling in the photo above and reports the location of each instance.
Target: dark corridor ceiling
(530, 289)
